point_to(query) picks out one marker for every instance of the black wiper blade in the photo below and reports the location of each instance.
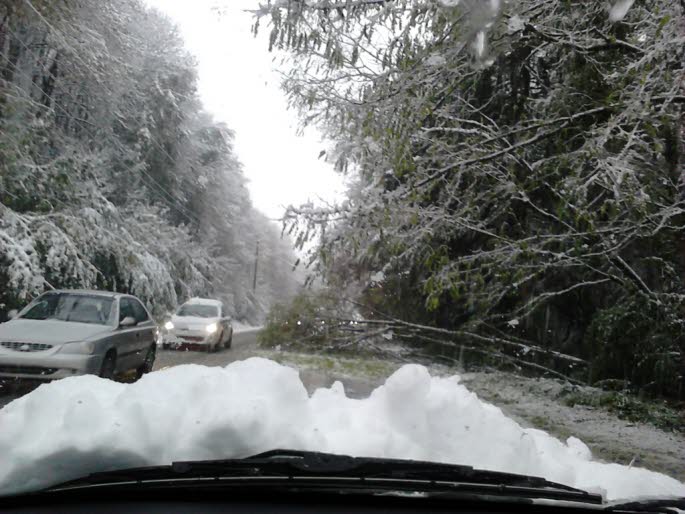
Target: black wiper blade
(314, 469)
(667, 505)
(370, 467)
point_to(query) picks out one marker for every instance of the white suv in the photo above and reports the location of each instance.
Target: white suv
(199, 321)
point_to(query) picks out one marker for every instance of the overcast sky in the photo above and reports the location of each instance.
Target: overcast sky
(239, 86)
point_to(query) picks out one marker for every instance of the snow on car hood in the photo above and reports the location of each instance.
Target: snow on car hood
(78, 425)
(192, 322)
(49, 331)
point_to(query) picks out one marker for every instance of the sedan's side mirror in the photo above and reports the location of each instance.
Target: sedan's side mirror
(128, 321)
(12, 314)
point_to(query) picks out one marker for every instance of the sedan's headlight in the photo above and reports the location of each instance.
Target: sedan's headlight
(84, 348)
(169, 325)
(211, 328)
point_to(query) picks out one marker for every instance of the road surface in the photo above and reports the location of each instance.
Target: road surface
(243, 347)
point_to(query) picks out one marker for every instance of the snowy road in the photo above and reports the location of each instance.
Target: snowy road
(531, 402)
(244, 346)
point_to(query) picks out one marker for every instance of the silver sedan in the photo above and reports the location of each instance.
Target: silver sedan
(199, 321)
(67, 333)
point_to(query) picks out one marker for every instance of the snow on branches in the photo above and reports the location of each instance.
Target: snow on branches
(513, 160)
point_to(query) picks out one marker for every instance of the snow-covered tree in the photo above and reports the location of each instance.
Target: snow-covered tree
(111, 174)
(516, 165)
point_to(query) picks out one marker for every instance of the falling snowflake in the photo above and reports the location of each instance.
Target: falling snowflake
(620, 9)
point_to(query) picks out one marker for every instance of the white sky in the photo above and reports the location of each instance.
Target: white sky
(239, 86)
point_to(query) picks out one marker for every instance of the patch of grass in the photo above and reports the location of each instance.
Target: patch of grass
(612, 453)
(369, 368)
(629, 407)
(540, 422)
(546, 424)
(360, 366)
(495, 397)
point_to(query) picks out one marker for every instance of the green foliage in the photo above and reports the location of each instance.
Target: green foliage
(631, 408)
(634, 341)
(515, 164)
(300, 323)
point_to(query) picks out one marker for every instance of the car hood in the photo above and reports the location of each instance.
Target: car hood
(49, 331)
(192, 322)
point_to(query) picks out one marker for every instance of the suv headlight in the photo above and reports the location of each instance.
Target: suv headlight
(211, 328)
(83, 348)
(169, 325)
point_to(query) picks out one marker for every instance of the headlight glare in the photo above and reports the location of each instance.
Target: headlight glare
(211, 328)
(169, 325)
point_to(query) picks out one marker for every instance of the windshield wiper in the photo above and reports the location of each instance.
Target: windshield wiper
(667, 505)
(338, 472)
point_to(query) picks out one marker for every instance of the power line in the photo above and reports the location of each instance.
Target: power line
(174, 202)
(62, 36)
(177, 206)
(151, 137)
(85, 65)
(168, 197)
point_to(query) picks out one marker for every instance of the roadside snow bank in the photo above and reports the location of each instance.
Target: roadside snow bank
(79, 425)
(239, 326)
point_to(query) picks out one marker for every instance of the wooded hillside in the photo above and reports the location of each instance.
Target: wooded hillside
(111, 174)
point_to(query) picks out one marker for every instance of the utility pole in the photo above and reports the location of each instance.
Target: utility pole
(256, 262)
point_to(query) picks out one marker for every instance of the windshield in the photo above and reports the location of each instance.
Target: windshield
(198, 310)
(76, 308)
(442, 230)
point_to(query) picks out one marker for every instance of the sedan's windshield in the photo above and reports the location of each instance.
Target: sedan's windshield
(77, 308)
(198, 310)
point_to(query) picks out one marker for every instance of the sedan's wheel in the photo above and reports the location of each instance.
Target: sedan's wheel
(109, 364)
(230, 340)
(146, 367)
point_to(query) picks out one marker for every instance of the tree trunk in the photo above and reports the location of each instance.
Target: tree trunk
(681, 171)
(13, 53)
(48, 82)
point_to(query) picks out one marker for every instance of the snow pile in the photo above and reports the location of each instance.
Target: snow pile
(241, 326)
(84, 424)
